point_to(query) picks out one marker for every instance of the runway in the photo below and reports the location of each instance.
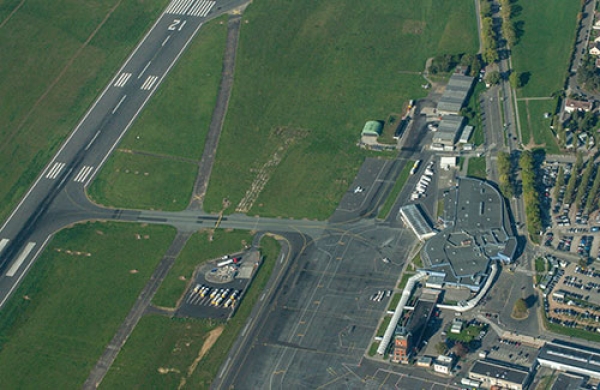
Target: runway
(57, 197)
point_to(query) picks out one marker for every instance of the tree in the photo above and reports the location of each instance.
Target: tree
(509, 32)
(492, 77)
(515, 80)
(460, 350)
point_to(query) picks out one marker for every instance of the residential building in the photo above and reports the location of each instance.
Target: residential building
(501, 374)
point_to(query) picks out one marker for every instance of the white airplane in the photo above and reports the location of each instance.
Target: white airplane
(358, 190)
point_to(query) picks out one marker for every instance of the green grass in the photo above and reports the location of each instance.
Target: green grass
(394, 301)
(373, 348)
(467, 334)
(417, 260)
(477, 137)
(572, 332)
(144, 182)
(174, 124)
(383, 326)
(533, 123)
(198, 250)
(303, 76)
(546, 44)
(391, 199)
(440, 207)
(38, 44)
(404, 280)
(70, 305)
(161, 342)
(477, 167)
(540, 269)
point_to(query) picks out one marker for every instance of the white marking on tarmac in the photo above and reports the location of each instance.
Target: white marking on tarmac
(201, 8)
(225, 367)
(3, 243)
(122, 80)
(93, 139)
(166, 40)
(149, 83)
(119, 104)
(17, 264)
(55, 170)
(144, 70)
(83, 174)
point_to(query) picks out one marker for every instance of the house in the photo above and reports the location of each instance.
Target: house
(577, 105)
(443, 364)
(595, 49)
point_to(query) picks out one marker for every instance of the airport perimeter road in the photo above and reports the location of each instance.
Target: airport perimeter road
(23, 236)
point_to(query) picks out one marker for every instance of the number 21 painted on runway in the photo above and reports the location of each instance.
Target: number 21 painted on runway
(177, 25)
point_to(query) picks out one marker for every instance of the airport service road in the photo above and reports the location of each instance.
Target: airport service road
(22, 236)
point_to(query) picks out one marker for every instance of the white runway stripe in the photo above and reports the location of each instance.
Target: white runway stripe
(122, 80)
(201, 8)
(149, 82)
(55, 170)
(83, 174)
(17, 264)
(3, 243)
(175, 4)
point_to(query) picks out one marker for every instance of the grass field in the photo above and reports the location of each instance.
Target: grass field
(70, 305)
(50, 74)
(533, 123)
(306, 85)
(199, 249)
(174, 344)
(170, 132)
(545, 47)
(391, 199)
(477, 167)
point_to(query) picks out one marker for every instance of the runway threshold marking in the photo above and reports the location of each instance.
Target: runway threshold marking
(17, 264)
(55, 170)
(201, 8)
(3, 243)
(178, 7)
(83, 174)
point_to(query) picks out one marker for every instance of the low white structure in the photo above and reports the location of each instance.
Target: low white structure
(447, 162)
(443, 364)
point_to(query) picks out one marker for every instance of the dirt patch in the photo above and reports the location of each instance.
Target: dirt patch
(209, 341)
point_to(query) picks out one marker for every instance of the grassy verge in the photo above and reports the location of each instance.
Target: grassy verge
(540, 269)
(474, 117)
(477, 167)
(404, 280)
(49, 77)
(391, 199)
(545, 45)
(303, 92)
(201, 247)
(572, 332)
(373, 348)
(417, 262)
(70, 305)
(169, 134)
(440, 207)
(383, 326)
(394, 301)
(175, 344)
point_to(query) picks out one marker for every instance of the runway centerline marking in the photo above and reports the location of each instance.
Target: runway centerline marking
(144, 70)
(55, 170)
(3, 243)
(17, 264)
(119, 104)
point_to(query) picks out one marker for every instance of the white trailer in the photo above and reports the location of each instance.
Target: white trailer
(224, 263)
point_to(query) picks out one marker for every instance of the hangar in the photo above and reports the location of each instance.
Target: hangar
(413, 217)
(455, 95)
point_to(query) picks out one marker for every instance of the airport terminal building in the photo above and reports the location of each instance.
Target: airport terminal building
(477, 232)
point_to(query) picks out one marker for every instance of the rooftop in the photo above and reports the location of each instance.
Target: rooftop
(500, 370)
(455, 94)
(572, 356)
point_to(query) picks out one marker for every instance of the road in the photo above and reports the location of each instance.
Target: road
(57, 197)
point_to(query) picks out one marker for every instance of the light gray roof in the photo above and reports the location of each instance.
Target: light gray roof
(455, 94)
(574, 357)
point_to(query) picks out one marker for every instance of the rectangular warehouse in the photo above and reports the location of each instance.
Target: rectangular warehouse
(455, 95)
